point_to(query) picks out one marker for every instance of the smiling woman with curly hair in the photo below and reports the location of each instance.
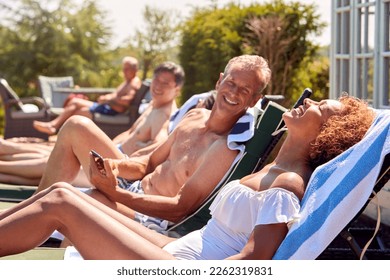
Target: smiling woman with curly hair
(342, 130)
(250, 216)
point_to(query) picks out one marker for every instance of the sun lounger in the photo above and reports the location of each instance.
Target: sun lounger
(337, 192)
(15, 193)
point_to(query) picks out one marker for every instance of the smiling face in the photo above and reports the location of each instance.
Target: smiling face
(308, 118)
(237, 90)
(163, 87)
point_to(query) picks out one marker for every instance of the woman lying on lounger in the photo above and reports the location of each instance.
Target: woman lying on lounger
(249, 216)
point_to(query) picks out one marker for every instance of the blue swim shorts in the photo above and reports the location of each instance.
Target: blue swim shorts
(153, 223)
(103, 109)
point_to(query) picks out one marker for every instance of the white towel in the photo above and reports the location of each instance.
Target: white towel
(336, 192)
(242, 131)
(189, 104)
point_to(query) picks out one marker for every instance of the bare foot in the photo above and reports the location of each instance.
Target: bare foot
(45, 127)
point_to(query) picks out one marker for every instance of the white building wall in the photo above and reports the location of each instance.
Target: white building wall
(360, 50)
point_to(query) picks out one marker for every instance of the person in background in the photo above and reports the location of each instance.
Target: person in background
(108, 104)
(25, 164)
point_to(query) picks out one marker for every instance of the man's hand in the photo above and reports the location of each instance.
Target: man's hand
(106, 183)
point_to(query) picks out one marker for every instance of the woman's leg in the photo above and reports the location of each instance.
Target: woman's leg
(18, 180)
(13, 149)
(20, 156)
(97, 231)
(32, 168)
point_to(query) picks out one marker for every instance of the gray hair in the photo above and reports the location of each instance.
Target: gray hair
(132, 61)
(252, 63)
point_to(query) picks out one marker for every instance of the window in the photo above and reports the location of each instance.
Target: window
(360, 50)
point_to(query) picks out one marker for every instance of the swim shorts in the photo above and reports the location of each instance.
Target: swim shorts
(153, 223)
(103, 109)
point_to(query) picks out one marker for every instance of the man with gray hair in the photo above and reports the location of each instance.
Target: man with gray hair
(177, 176)
(108, 104)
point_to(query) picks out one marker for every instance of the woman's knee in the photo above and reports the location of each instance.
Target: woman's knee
(58, 199)
(60, 191)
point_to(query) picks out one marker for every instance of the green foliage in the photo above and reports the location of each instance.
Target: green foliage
(54, 39)
(156, 42)
(59, 37)
(212, 36)
(314, 75)
(209, 39)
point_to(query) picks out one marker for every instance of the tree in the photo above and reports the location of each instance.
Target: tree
(210, 37)
(157, 41)
(314, 75)
(277, 31)
(281, 34)
(54, 38)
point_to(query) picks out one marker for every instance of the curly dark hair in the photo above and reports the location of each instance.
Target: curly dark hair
(342, 130)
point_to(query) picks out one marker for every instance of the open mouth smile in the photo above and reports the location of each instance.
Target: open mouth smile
(230, 101)
(299, 111)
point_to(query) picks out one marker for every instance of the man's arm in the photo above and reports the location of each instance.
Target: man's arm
(118, 100)
(132, 168)
(191, 194)
(124, 97)
(122, 101)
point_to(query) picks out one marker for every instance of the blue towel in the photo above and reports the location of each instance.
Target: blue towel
(336, 192)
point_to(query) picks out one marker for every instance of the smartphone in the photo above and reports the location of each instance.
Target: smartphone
(98, 161)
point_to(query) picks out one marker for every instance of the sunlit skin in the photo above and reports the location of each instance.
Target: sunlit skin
(237, 91)
(118, 100)
(311, 115)
(289, 170)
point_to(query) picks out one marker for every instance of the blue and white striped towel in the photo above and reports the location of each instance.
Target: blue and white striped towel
(336, 192)
(242, 131)
(189, 104)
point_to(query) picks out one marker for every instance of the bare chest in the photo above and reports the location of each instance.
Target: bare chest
(144, 125)
(124, 89)
(191, 149)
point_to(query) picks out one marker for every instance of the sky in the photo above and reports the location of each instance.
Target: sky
(125, 16)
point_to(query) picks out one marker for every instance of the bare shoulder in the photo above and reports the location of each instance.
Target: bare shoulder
(292, 182)
(195, 115)
(165, 110)
(136, 82)
(219, 150)
(196, 112)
